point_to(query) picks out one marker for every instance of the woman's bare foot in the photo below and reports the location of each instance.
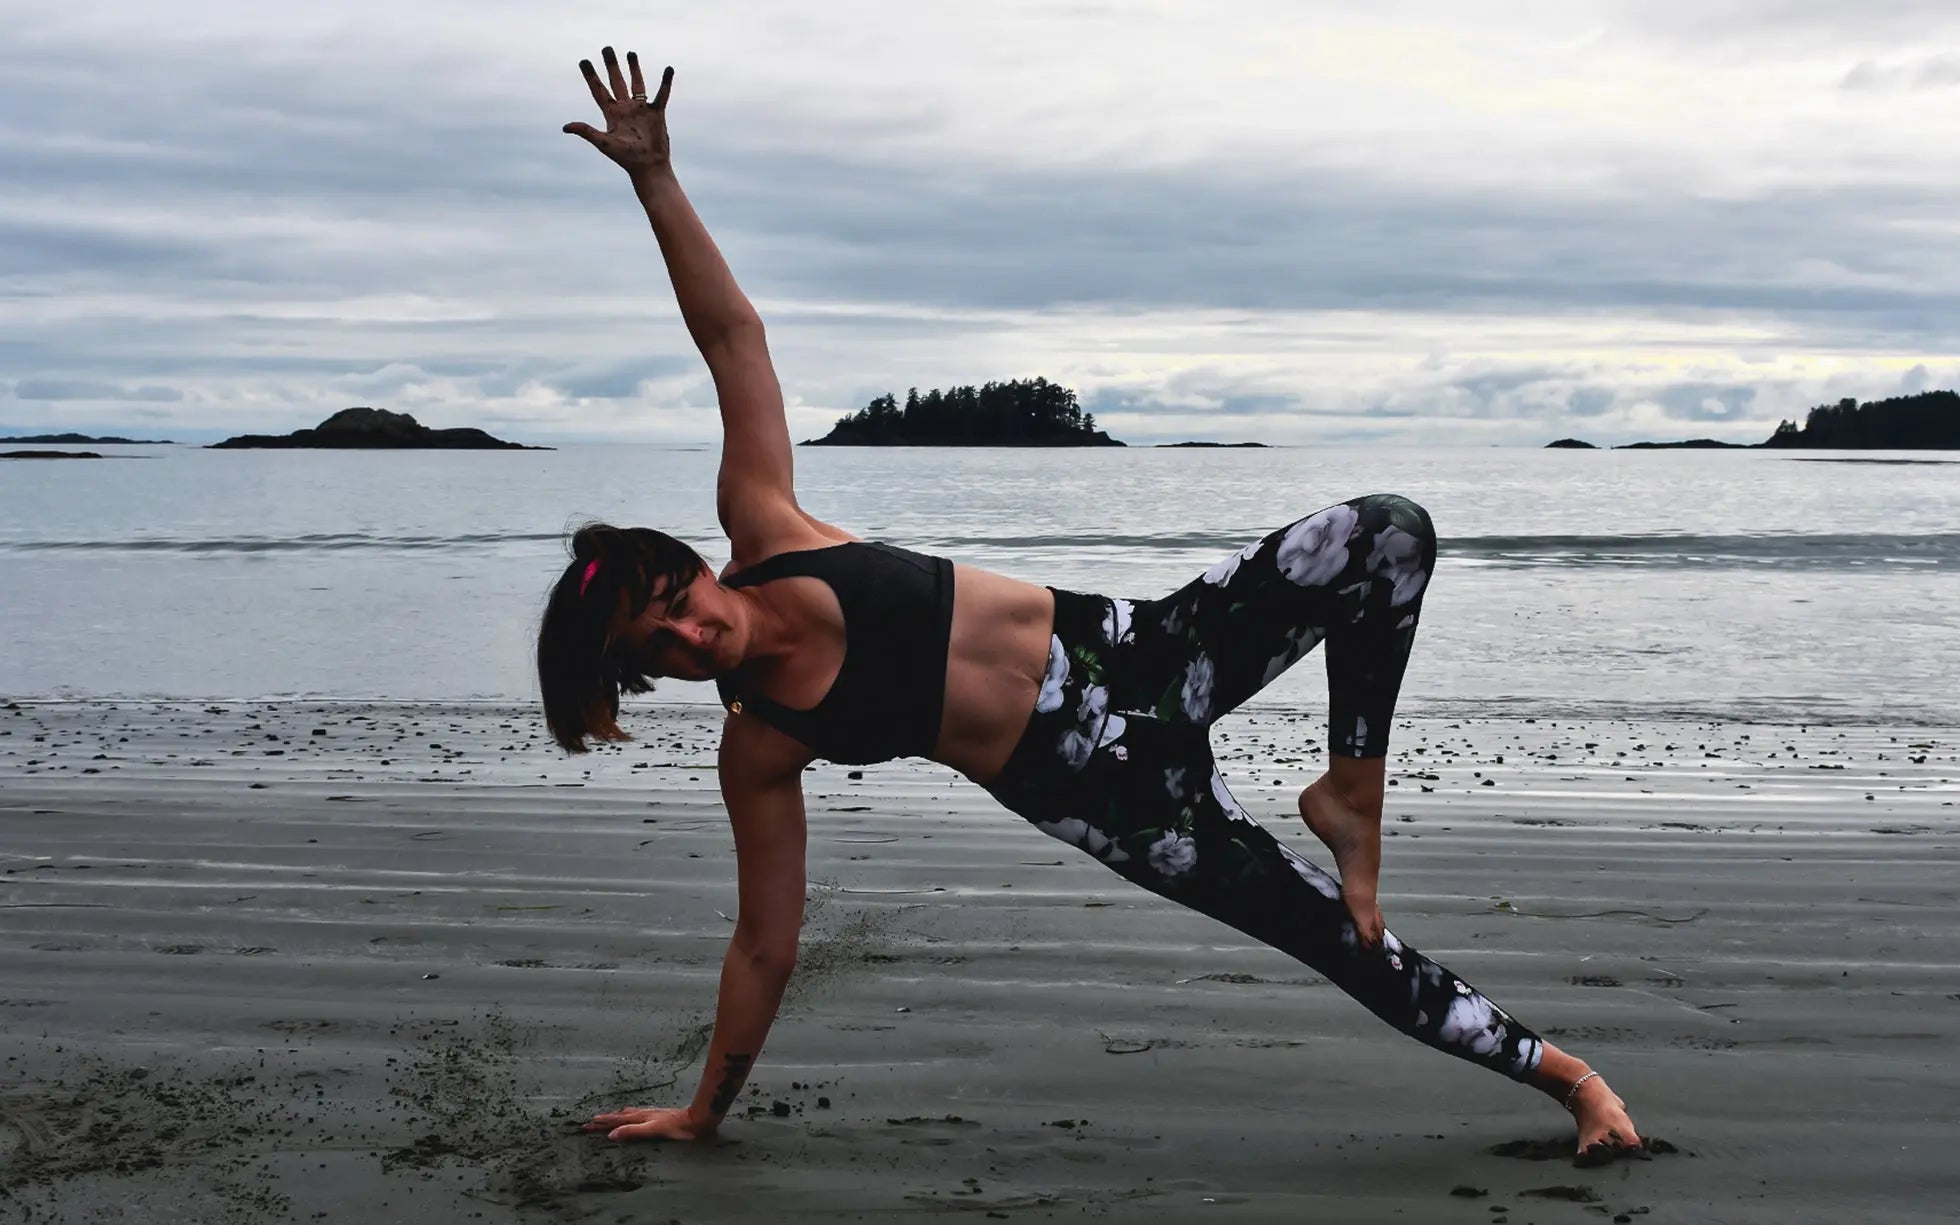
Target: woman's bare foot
(1605, 1129)
(1356, 842)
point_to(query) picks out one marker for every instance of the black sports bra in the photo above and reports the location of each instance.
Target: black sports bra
(898, 622)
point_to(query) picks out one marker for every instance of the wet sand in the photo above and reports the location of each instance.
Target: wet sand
(375, 963)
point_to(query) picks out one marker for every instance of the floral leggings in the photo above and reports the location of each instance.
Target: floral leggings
(1116, 758)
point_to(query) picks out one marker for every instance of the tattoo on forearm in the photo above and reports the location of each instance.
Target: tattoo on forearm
(735, 1070)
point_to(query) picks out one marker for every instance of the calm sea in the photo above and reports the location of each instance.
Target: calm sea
(1653, 584)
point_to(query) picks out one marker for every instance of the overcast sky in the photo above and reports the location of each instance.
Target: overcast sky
(1276, 221)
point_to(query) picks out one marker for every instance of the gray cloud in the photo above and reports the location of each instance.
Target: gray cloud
(1198, 395)
(54, 247)
(1589, 402)
(83, 389)
(272, 237)
(619, 380)
(1935, 72)
(1776, 24)
(993, 237)
(1706, 402)
(1305, 241)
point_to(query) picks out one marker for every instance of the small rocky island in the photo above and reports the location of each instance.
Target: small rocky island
(1929, 421)
(1211, 444)
(1017, 413)
(376, 429)
(49, 455)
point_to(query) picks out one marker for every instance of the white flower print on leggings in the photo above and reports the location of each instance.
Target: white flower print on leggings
(1315, 550)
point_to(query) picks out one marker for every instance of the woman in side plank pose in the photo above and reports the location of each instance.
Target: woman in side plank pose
(1086, 715)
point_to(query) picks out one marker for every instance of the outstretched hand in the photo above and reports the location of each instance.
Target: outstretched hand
(640, 1123)
(636, 128)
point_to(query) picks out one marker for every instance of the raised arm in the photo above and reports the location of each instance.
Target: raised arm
(762, 783)
(755, 495)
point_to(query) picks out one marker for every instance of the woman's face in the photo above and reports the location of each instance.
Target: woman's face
(687, 633)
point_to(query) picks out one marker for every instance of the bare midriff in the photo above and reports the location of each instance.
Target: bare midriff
(995, 660)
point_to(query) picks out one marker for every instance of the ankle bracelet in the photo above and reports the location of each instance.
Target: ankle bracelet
(1574, 1090)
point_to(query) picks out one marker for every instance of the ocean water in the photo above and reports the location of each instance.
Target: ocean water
(1649, 584)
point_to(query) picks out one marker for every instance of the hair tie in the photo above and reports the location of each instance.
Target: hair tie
(591, 568)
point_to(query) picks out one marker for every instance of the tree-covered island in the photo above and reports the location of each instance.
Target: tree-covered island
(1017, 413)
(1927, 421)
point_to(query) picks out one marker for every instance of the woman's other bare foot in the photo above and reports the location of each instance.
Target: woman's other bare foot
(1355, 838)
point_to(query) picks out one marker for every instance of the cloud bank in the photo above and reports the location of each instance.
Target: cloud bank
(1273, 221)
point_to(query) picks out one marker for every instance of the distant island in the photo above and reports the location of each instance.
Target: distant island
(49, 455)
(84, 439)
(1017, 413)
(1689, 444)
(1211, 444)
(1929, 421)
(376, 429)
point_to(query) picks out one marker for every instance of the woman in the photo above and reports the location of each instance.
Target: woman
(1086, 715)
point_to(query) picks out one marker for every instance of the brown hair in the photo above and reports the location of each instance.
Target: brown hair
(578, 677)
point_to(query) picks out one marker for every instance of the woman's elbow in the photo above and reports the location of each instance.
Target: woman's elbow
(734, 339)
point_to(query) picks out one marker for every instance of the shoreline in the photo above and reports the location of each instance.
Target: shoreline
(255, 974)
(1504, 710)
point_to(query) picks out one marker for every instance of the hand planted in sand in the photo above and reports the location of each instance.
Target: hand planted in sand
(1606, 1131)
(641, 1123)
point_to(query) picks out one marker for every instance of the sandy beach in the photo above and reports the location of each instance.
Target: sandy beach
(297, 962)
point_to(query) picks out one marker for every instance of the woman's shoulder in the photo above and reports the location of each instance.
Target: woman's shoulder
(814, 534)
